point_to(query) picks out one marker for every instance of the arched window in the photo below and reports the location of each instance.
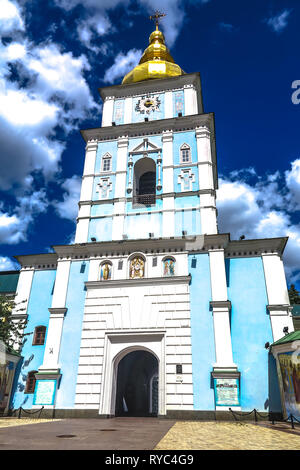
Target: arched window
(30, 382)
(105, 271)
(144, 186)
(185, 153)
(39, 335)
(106, 162)
(169, 266)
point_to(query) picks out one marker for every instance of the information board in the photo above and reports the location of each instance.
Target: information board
(227, 392)
(44, 392)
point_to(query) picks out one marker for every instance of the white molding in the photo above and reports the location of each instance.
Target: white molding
(117, 346)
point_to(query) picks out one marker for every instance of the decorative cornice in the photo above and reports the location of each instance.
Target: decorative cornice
(189, 243)
(137, 129)
(57, 312)
(220, 304)
(280, 308)
(257, 247)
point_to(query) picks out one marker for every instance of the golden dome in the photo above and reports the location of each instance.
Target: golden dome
(156, 62)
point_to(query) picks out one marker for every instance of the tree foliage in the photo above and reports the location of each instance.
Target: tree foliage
(11, 331)
(294, 295)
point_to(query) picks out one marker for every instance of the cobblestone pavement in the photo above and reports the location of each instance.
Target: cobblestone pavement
(192, 435)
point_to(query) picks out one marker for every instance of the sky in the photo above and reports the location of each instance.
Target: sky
(55, 54)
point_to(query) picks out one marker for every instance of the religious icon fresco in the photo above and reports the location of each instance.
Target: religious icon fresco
(290, 377)
(137, 267)
(105, 272)
(169, 267)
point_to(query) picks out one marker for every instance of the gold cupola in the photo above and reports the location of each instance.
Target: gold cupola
(156, 62)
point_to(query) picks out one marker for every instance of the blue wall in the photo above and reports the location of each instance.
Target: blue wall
(71, 335)
(250, 330)
(203, 345)
(38, 314)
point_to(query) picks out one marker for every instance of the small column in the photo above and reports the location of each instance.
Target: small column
(279, 305)
(107, 112)
(224, 367)
(49, 371)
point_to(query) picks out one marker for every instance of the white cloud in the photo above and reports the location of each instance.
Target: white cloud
(92, 28)
(68, 207)
(279, 22)
(226, 27)
(7, 264)
(14, 227)
(10, 17)
(263, 209)
(122, 65)
(171, 24)
(293, 184)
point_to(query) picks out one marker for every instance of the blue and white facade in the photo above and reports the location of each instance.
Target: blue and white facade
(150, 272)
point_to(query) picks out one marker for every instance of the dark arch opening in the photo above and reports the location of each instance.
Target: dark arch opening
(137, 385)
(144, 182)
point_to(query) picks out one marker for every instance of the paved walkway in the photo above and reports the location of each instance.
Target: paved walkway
(88, 434)
(145, 434)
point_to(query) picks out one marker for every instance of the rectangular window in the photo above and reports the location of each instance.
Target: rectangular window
(106, 164)
(185, 155)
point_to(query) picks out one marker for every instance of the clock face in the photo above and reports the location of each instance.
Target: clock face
(146, 104)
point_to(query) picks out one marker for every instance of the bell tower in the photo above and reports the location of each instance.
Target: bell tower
(150, 169)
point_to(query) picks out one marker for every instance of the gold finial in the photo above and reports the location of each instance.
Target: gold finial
(156, 17)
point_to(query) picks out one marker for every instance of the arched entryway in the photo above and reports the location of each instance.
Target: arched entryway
(137, 385)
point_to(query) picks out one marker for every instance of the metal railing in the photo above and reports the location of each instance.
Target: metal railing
(144, 199)
(18, 411)
(291, 419)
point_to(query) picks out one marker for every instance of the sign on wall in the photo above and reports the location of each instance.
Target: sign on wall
(290, 380)
(227, 392)
(44, 392)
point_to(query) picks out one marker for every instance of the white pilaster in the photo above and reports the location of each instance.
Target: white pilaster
(128, 110)
(23, 290)
(90, 158)
(221, 312)
(278, 298)
(107, 112)
(168, 104)
(168, 217)
(190, 100)
(121, 174)
(57, 313)
(206, 181)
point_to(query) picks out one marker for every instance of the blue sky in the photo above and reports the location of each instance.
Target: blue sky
(55, 54)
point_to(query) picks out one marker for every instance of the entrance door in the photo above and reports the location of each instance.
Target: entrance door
(136, 393)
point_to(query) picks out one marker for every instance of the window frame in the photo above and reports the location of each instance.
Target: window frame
(106, 157)
(185, 148)
(36, 333)
(30, 385)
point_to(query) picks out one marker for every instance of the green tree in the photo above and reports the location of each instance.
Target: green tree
(11, 332)
(294, 295)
